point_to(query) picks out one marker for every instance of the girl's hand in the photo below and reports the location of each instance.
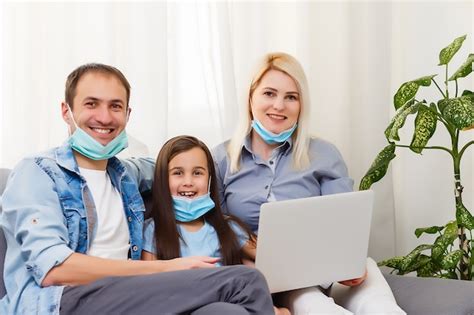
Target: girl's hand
(193, 262)
(354, 282)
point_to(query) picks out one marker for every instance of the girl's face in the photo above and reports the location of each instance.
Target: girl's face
(276, 101)
(188, 174)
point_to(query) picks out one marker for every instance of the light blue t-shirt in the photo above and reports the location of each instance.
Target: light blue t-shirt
(203, 242)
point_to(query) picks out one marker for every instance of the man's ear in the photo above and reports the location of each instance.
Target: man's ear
(66, 117)
(65, 113)
(129, 111)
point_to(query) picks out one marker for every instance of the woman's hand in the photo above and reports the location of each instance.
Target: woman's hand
(248, 262)
(356, 281)
(281, 311)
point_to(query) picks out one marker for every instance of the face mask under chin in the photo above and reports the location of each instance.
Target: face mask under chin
(86, 145)
(270, 137)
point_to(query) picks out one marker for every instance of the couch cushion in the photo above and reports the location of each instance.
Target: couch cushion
(421, 296)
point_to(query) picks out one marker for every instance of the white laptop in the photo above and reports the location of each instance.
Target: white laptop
(312, 241)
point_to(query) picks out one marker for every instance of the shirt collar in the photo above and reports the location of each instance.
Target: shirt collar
(65, 158)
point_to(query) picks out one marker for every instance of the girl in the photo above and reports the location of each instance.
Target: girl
(186, 215)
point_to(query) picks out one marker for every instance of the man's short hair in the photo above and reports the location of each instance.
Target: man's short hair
(74, 77)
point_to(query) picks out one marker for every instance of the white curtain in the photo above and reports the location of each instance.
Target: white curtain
(189, 64)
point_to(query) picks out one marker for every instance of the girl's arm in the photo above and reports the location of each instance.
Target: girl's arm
(148, 256)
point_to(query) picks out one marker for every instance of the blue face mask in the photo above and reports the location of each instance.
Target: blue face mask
(270, 137)
(83, 143)
(186, 210)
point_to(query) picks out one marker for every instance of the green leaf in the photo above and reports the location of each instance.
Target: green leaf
(427, 270)
(405, 93)
(452, 259)
(428, 230)
(467, 92)
(451, 231)
(410, 259)
(425, 127)
(433, 107)
(464, 217)
(408, 90)
(442, 242)
(379, 167)
(392, 262)
(442, 104)
(448, 52)
(459, 111)
(452, 275)
(425, 81)
(464, 70)
(447, 275)
(420, 262)
(399, 120)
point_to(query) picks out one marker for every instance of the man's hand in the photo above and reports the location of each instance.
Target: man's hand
(354, 282)
(193, 262)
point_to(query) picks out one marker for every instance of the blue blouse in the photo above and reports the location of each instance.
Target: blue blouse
(259, 181)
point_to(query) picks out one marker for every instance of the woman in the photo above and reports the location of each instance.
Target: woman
(273, 157)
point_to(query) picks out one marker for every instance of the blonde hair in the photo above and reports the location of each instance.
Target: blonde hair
(289, 65)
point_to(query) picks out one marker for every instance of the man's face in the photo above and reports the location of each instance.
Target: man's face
(100, 106)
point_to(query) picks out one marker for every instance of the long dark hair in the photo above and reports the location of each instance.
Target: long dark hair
(166, 231)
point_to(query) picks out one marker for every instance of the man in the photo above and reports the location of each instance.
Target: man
(73, 217)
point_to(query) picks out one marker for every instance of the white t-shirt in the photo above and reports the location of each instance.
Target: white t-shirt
(112, 238)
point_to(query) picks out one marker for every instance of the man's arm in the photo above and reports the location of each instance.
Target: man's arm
(33, 219)
(141, 170)
(80, 269)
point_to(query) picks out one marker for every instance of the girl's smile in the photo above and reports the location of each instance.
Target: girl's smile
(189, 174)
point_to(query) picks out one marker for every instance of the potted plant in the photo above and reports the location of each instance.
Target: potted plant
(451, 254)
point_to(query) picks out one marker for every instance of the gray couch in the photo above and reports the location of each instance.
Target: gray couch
(417, 296)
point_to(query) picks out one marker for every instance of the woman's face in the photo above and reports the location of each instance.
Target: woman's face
(276, 101)
(188, 174)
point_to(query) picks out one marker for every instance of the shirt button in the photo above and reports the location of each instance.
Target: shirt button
(271, 162)
(129, 219)
(266, 187)
(134, 248)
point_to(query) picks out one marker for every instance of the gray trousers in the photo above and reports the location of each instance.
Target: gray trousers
(224, 290)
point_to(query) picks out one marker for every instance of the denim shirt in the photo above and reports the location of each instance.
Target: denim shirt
(259, 181)
(48, 213)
